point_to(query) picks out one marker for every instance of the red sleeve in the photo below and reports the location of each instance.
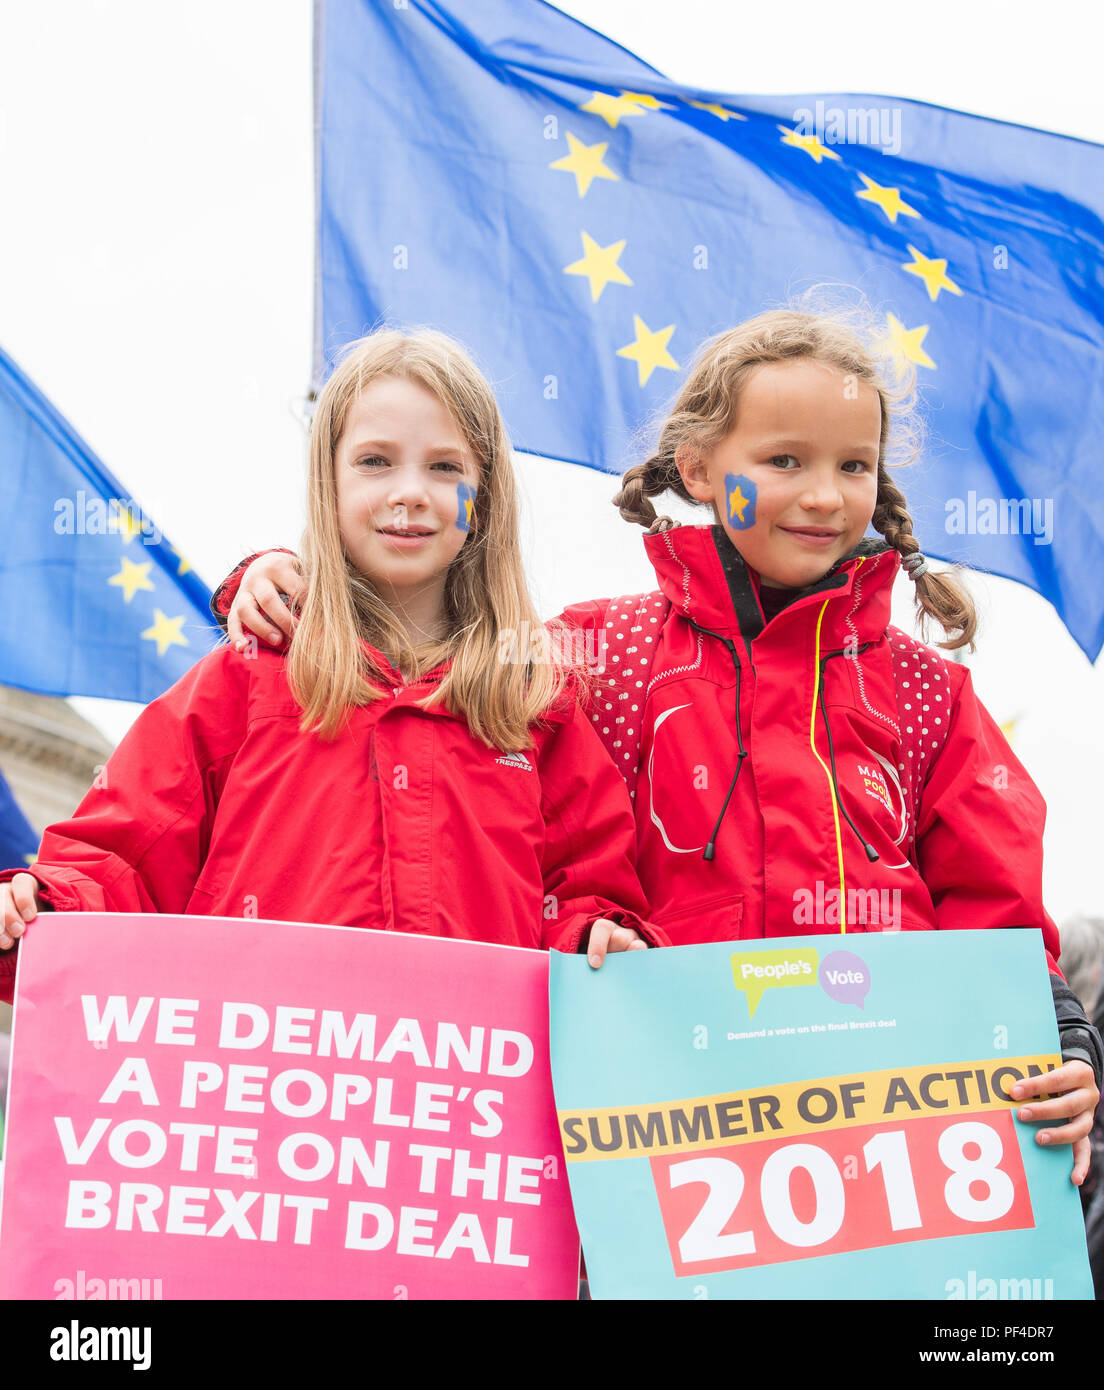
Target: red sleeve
(590, 840)
(980, 832)
(584, 616)
(222, 600)
(582, 627)
(137, 841)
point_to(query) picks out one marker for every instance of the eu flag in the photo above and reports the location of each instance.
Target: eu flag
(582, 224)
(93, 598)
(18, 841)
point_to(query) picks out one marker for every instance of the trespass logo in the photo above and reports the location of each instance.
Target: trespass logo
(842, 975)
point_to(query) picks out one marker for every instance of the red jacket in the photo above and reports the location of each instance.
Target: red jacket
(785, 859)
(215, 804)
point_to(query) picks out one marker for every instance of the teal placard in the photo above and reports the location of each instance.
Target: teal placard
(831, 1092)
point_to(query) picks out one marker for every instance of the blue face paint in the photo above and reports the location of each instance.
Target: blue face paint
(465, 504)
(739, 501)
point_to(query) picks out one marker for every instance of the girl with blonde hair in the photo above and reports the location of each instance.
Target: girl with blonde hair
(388, 770)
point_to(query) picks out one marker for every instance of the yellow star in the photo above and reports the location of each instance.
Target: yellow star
(650, 103)
(737, 508)
(809, 143)
(904, 342)
(184, 565)
(933, 274)
(599, 265)
(649, 351)
(612, 109)
(165, 632)
(127, 522)
(888, 199)
(132, 577)
(585, 162)
(468, 505)
(722, 111)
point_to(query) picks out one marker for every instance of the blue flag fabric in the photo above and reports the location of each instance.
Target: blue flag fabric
(18, 841)
(506, 174)
(93, 598)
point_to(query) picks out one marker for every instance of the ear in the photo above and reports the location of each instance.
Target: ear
(690, 463)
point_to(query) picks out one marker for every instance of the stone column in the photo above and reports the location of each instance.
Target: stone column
(49, 755)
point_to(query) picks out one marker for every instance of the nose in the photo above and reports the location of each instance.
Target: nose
(822, 491)
(407, 488)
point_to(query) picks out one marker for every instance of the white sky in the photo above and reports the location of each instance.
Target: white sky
(156, 253)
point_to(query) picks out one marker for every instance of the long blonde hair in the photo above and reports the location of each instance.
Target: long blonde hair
(485, 590)
(704, 413)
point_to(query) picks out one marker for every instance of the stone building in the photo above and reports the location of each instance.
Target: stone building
(49, 755)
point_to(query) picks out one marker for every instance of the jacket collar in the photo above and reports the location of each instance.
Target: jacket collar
(388, 675)
(706, 579)
(385, 675)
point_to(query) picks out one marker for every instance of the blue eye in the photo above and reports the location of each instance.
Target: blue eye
(784, 458)
(368, 460)
(449, 467)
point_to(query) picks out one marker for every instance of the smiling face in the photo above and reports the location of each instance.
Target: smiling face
(795, 483)
(406, 484)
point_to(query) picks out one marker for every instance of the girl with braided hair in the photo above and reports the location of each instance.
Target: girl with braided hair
(800, 766)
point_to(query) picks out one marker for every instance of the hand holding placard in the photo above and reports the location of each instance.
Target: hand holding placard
(388, 1133)
(794, 1158)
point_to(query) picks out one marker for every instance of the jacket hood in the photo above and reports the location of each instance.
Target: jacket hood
(707, 580)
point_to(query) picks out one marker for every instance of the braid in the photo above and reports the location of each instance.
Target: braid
(891, 516)
(631, 501)
(938, 596)
(654, 476)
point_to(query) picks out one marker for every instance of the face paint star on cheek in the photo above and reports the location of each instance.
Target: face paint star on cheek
(739, 501)
(465, 506)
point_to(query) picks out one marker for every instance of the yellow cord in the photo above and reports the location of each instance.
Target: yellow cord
(820, 760)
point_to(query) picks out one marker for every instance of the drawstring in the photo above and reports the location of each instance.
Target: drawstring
(820, 760)
(740, 756)
(871, 852)
(742, 753)
(837, 797)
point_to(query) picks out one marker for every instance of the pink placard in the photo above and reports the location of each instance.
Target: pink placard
(221, 1108)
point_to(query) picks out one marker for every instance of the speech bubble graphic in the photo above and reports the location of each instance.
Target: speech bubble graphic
(756, 971)
(844, 976)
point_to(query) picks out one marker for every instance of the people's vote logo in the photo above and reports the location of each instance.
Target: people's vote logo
(739, 501)
(465, 506)
(844, 976)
